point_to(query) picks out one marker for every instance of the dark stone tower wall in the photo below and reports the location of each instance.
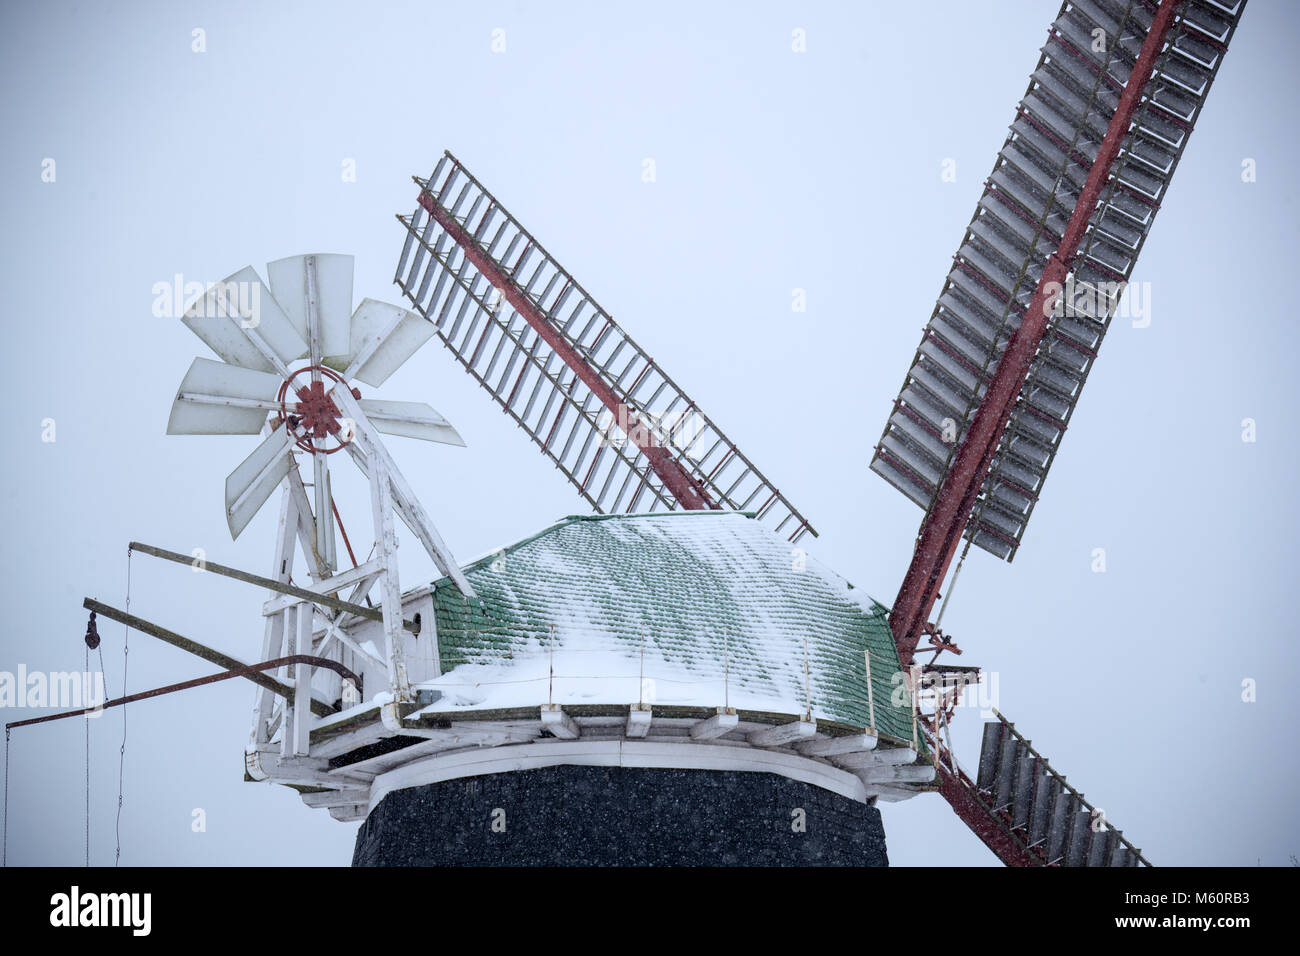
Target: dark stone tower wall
(609, 816)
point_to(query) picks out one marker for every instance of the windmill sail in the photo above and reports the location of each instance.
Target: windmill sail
(1026, 812)
(589, 397)
(1036, 182)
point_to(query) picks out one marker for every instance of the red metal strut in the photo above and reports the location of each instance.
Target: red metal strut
(944, 526)
(250, 671)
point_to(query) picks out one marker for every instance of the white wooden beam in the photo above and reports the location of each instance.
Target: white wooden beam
(559, 723)
(723, 722)
(273, 634)
(301, 726)
(890, 757)
(890, 794)
(350, 813)
(390, 589)
(330, 742)
(330, 585)
(893, 756)
(335, 798)
(920, 773)
(262, 764)
(832, 746)
(334, 632)
(783, 734)
(320, 467)
(458, 737)
(306, 526)
(638, 721)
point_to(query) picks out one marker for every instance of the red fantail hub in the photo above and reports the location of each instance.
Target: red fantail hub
(316, 415)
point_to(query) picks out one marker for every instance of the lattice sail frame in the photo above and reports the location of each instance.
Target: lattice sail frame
(1018, 223)
(595, 445)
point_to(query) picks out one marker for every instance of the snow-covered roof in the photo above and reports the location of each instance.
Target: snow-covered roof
(701, 608)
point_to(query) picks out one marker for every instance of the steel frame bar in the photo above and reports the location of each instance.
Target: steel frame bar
(943, 527)
(960, 793)
(247, 670)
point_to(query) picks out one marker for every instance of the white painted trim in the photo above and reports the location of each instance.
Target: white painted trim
(832, 746)
(638, 721)
(782, 734)
(559, 723)
(723, 722)
(683, 754)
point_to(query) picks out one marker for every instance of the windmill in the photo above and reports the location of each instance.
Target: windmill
(289, 352)
(1070, 201)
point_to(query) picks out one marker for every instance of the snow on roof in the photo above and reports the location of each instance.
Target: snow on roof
(693, 608)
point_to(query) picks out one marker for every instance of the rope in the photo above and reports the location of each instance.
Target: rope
(952, 585)
(121, 759)
(87, 725)
(4, 841)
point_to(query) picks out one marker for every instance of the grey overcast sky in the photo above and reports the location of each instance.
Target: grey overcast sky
(776, 170)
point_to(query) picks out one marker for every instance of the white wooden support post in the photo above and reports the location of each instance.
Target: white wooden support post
(273, 636)
(835, 746)
(783, 734)
(874, 759)
(723, 722)
(871, 697)
(638, 720)
(288, 706)
(300, 729)
(324, 514)
(390, 588)
(559, 723)
(922, 773)
(320, 469)
(306, 526)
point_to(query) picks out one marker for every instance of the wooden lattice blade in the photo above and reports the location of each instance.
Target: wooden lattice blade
(528, 361)
(1018, 223)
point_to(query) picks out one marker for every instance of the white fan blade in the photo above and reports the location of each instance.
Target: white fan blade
(240, 320)
(383, 337)
(410, 419)
(249, 485)
(288, 278)
(219, 399)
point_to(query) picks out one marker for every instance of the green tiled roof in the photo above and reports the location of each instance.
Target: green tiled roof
(711, 591)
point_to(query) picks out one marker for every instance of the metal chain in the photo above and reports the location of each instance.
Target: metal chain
(121, 758)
